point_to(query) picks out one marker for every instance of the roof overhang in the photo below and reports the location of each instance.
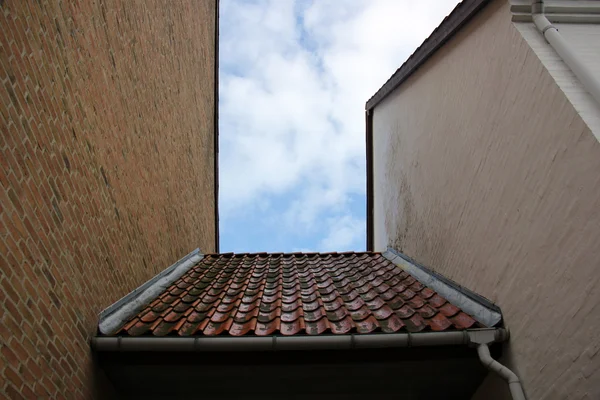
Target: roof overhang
(422, 365)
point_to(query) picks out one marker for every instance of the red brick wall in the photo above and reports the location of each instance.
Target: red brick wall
(107, 158)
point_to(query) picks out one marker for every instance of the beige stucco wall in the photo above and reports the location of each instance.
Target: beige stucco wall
(484, 171)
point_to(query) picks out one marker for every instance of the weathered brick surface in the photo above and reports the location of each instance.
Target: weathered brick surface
(106, 171)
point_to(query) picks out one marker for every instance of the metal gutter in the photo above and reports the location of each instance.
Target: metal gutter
(586, 76)
(121, 311)
(281, 343)
(480, 308)
(216, 128)
(565, 18)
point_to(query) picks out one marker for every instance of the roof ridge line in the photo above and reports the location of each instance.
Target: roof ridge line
(122, 310)
(480, 308)
(290, 253)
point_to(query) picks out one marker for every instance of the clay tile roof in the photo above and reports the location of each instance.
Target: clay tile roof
(299, 293)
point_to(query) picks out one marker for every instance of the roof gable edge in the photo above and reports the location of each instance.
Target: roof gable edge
(112, 317)
(480, 308)
(461, 14)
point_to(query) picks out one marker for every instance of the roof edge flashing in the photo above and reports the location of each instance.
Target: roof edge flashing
(295, 343)
(481, 309)
(122, 310)
(460, 15)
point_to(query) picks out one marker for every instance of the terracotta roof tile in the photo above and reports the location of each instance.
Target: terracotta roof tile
(289, 294)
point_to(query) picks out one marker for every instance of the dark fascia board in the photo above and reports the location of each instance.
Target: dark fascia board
(216, 128)
(461, 14)
(369, 181)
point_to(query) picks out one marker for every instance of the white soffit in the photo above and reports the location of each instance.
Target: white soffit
(566, 11)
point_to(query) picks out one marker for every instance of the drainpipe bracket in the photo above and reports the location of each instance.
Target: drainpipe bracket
(537, 7)
(546, 28)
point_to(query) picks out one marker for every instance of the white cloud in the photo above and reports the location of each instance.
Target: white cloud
(295, 76)
(342, 233)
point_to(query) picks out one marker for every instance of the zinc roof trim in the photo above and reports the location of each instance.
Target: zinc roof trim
(113, 317)
(482, 311)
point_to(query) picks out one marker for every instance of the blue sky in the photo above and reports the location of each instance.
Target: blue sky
(294, 79)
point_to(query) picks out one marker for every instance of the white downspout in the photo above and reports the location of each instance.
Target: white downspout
(514, 384)
(482, 338)
(561, 46)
